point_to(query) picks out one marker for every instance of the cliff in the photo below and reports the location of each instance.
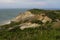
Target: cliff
(28, 17)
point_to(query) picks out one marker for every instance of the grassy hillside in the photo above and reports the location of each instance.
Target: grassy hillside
(46, 32)
(30, 34)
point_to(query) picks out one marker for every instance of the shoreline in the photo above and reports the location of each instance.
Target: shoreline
(5, 22)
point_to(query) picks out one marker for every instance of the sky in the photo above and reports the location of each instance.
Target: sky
(30, 4)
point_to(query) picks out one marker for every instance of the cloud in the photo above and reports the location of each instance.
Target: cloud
(13, 1)
(22, 2)
(36, 3)
(29, 3)
(7, 1)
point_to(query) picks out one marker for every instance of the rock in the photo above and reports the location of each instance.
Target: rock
(46, 19)
(23, 16)
(29, 25)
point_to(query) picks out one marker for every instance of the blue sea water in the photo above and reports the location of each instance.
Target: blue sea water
(8, 14)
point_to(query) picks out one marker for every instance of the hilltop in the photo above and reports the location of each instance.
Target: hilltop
(32, 25)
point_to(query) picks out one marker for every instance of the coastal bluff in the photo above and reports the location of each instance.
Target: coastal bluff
(30, 20)
(33, 18)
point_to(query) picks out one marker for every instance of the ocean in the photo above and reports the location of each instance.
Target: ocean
(7, 14)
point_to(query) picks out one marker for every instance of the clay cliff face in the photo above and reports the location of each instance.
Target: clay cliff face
(23, 16)
(29, 16)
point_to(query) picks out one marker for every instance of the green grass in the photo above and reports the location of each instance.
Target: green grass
(30, 34)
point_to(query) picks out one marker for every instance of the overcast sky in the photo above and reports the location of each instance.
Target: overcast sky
(30, 4)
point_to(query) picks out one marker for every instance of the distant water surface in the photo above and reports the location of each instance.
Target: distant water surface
(8, 14)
